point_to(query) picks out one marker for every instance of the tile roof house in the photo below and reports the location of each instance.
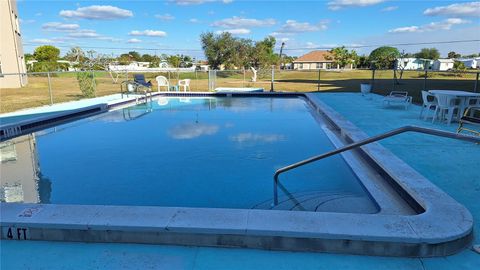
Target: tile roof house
(316, 60)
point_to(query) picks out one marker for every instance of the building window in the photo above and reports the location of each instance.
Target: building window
(319, 65)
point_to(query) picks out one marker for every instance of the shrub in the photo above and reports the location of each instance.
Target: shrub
(86, 81)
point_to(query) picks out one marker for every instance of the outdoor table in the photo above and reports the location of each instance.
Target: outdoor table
(462, 95)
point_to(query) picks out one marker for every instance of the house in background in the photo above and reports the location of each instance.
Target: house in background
(12, 59)
(471, 63)
(316, 60)
(443, 64)
(409, 63)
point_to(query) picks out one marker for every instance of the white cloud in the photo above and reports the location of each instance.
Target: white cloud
(42, 40)
(238, 31)
(198, 2)
(239, 22)
(188, 131)
(442, 25)
(458, 10)
(134, 40)
(254, 137)
(148, 33)
(165, 17)
(97, 12)
(293, 27)
(391, 8)
(89, 34)
(339, 4)
(194, 20)
(26, 21)
(61, 27)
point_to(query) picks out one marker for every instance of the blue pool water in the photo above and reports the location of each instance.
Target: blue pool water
(190, 152)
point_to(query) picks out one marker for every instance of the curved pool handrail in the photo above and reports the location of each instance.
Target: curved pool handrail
(435, 132)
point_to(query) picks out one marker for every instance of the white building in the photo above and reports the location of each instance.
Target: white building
(443, 64)
(11, 48)
(409, 63)
(471, 63)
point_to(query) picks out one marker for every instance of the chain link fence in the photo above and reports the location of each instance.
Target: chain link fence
(55, 87)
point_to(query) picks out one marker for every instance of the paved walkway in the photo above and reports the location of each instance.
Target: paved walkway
(452, 165)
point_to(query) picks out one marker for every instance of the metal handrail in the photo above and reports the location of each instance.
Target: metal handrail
(391, 133)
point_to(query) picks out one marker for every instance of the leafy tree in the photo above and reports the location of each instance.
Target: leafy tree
(146, 58)
(46, 53)
(174, 60)
(428, 53)
(384, 57)
(28, 57)
(154, 62)
(363, 62)
(135, 56)
(262, 53)
(452, 55)
(124, 59)
(218, 49)
(457, 65)
(343, 57)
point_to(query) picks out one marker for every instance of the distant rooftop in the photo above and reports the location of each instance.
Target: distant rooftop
(315, 56)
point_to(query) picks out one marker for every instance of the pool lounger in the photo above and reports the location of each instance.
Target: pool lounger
(238, 89)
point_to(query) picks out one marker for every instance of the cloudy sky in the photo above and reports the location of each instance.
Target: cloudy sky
(174, 26)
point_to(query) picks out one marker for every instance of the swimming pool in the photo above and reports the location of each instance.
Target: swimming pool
(191, 157)
(192, 152)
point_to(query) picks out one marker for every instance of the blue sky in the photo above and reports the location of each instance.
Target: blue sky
(174, 26)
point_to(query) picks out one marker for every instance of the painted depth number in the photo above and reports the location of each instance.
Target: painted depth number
(13, 233)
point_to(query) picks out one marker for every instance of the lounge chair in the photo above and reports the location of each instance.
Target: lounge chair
(140, 79)
(472, 118)
(398, 97)
(162, 82)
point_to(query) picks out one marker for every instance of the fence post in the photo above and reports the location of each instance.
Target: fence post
(94, 84)
(476, 83)
(373, 78)
(243, 84)
(50, 88)
(273, 78)
(318, 86)
(425, 80)
(196, 80)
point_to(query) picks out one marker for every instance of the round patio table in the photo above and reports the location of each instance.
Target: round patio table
(462, 95)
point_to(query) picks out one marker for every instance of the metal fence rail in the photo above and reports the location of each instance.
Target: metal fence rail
(58, 86)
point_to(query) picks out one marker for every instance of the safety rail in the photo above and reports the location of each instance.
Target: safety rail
(382, 136)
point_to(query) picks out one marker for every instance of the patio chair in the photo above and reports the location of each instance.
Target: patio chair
(447, 106)
(140, 80)
(185, 84)
(398, 97)
(162, 82)
(429, 102)
(473, 102)
(472, 118)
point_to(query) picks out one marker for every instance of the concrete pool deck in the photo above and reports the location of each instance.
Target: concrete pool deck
(422, 153)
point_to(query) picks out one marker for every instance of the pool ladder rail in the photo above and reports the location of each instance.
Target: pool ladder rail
(417, 129)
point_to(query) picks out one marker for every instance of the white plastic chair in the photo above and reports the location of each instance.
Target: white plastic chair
(472, 102)
(185, 84)
(398, 97)
(429, 102)
(447, 105)
(162, 81)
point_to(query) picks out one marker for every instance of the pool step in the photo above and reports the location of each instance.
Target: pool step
(319, 201)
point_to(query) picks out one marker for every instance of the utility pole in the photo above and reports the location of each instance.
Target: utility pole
(281, 51)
